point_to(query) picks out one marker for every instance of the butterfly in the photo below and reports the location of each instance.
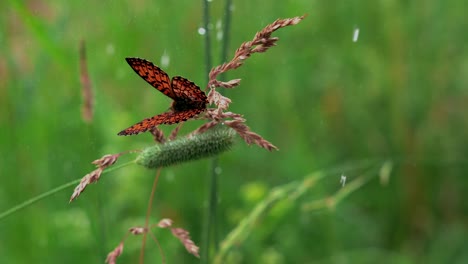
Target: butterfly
(189, 99)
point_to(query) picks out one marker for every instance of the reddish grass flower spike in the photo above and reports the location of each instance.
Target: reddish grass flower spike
(137, 230)
(189, 100)
(250, 137)
(106, 160)
(86, 91)
(102, 163)
(183, 236)
(114, 254)
(158, 135)
(85, 181)
(165, 223)
(174, 132)
(261, 42)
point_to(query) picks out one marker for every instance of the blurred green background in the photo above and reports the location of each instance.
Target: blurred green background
(398, 93)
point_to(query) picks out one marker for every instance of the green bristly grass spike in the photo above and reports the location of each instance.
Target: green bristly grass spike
(213, 142)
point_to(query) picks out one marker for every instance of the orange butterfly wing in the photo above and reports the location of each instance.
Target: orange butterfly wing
(189, 99)
(153, 75)
(186, 90)
(144, 125)
(164, 118)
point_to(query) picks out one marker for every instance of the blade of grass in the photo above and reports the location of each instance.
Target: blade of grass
(290, 191)
(65, 186)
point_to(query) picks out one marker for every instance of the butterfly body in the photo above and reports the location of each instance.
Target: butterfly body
(189, 99)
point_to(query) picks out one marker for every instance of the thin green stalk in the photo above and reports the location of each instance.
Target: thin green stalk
(210, 215)
(213, 202)
(52, 192)
(226, 31)
(148, 213)
(211, 227)
(215, 160)
(206, 23)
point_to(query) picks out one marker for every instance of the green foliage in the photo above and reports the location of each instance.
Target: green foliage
(398, 93)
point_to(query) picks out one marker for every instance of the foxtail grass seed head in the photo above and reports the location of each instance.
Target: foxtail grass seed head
(212, 142)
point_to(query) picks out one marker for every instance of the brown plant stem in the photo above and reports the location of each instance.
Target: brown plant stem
(86, 90)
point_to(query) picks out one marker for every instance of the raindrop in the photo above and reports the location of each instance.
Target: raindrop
(356, 35)
(218, 170)
(170, 176)
(219, 35)
(201, 31)
(343, 180)
(219, 30)
(219, 24)
(165, 60)
(110, 49)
